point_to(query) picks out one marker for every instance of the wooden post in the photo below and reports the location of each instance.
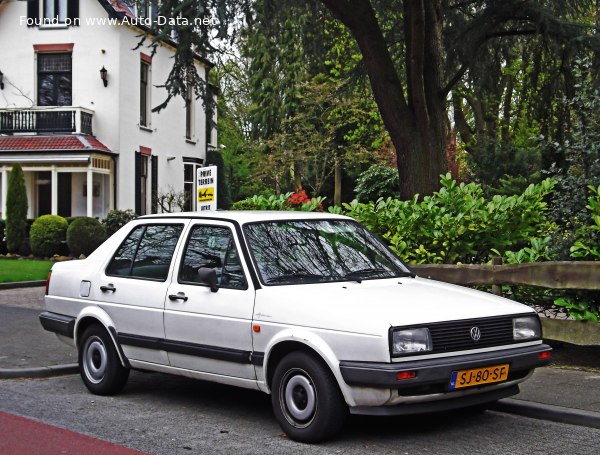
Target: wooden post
(497, 289)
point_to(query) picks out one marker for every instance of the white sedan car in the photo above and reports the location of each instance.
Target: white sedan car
(310, 308)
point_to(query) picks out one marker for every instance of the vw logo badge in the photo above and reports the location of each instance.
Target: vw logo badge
(475, 334)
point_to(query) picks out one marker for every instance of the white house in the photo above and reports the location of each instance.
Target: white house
(75, 111)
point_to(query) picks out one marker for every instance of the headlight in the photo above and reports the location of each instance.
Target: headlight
(526, 328)
(408, 341)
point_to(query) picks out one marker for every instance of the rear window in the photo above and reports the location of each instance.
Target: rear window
(146, 253)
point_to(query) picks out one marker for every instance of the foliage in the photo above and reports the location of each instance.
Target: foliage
(377, 182)
(456, 224)
(587, 246)
(3, 249)
(289, 201)
(116, 219)
(84, 235)
(580, 155)
(47, 234)
(539, 250)
(214, 158)
(578, 310)
(16, 212)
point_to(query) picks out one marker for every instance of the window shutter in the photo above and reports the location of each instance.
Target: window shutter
(73, 11)
(137, 183)
(33, 11)
(154, 184)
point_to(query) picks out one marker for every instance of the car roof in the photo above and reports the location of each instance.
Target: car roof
(249, 216)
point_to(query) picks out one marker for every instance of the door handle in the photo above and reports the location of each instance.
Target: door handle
(178, 296)
(109, 288)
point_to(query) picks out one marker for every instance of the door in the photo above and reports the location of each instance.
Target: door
(210, 331)
(133, 287)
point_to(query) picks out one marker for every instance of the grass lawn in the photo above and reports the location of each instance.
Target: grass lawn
(12, 270)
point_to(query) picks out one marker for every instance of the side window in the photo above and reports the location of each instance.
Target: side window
(146, 252)
(212, 247)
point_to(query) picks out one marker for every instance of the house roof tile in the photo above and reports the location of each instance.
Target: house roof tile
(51, 143)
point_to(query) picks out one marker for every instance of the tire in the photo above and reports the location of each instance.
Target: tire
(99, 364)
(306, 399)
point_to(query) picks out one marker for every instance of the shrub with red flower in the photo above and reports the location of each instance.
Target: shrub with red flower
(298, 199)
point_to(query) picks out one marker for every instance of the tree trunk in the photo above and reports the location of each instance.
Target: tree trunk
(337, 181)
(417, 126)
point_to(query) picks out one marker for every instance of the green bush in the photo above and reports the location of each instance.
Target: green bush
(288, 201)
(377, 182)
(457, 224)
(47, 234)
(84, 235)
(16, 212)
(3, 249)
(116, 219)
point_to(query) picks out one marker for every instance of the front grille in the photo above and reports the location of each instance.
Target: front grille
(456, 335)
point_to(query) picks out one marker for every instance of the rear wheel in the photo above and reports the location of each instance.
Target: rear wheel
(99, 363)
(306, 399)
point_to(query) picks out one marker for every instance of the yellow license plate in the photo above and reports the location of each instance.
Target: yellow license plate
(478, 376)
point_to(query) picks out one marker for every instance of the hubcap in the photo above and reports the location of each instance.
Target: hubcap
(299, 398)
(94, 359)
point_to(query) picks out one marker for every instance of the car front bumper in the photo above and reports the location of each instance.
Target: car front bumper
(429, 389)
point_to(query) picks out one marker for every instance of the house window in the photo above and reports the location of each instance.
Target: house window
(54, 79)
(49, 13)
(211, 100)
(189, 112)
(144, 93)
(189, 186)
(55, 9)
(141, 183)
(147, 8)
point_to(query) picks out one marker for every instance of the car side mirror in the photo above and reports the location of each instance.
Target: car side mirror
(208, 276)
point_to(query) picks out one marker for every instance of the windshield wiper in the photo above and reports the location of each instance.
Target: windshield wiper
(359, 275)
(292, 276)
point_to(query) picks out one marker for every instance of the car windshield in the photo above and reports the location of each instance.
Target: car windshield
(307, 251)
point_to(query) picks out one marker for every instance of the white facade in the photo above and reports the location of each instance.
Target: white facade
(116, 122)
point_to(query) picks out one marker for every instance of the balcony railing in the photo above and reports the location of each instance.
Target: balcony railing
(46, 120)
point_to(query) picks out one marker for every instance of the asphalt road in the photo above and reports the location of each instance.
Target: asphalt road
(161, 414)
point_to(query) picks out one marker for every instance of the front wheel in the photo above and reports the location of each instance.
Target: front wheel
(306, 399)
(99, 363)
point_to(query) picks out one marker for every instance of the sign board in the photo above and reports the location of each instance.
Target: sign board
(206, 188)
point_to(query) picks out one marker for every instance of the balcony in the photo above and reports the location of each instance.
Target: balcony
(51, 119)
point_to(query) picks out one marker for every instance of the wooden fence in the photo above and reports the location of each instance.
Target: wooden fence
(556, 275)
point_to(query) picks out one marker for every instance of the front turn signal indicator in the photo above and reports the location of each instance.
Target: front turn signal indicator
(401, 375)
(546, 355)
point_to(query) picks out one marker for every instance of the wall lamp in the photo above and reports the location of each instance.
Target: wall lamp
(104, 76)
(1, 80)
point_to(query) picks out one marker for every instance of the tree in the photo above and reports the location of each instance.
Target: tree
(16, 212)
(410, 69)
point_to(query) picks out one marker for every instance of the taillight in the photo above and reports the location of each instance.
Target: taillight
(48, 281)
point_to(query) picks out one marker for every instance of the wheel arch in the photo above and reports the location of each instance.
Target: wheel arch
(94, 315)
(313, 346)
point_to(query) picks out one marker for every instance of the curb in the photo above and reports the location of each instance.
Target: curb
(22, 284)
(548, 412)
(36, 373)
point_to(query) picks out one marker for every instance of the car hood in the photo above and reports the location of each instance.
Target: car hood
(372, 306)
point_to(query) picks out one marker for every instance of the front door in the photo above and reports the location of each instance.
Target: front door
(44, 193)
(210, 331)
